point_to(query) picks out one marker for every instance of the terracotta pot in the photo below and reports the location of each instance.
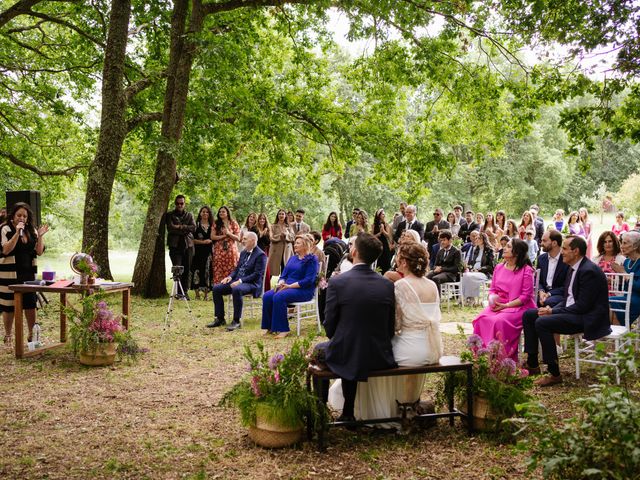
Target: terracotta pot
(104, 355)
(484, 418)
(270, 434)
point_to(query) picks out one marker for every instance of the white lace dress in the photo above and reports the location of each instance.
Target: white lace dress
(417, 342)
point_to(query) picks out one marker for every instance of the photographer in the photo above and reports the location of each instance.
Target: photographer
(180, 228)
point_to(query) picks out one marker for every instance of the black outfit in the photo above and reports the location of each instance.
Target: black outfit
(486, 262)
(589, 314)
(201, 265)
(180, 228)
(556, 289)
(466, 229)
(359, 320)
(430, 236)
(539, 226)
(384, 260)
(18, 266)
(449, 260)
(264, 242)
(415, 225)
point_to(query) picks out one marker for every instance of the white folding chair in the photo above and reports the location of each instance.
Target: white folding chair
(309, 309)
(450, 291)
(586, 351)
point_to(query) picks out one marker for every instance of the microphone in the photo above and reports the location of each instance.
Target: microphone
(21, 232)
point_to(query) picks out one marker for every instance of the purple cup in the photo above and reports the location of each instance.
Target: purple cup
(48, 276)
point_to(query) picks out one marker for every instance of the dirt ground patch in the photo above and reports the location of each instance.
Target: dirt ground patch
(159, 418)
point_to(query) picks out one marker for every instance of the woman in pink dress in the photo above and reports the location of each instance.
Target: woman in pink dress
(510, 295)
(586, 224)
(620, 226)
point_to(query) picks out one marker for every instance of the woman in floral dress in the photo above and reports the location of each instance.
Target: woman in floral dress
(225, 236)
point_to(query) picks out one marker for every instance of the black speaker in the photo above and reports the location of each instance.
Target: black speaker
(30, 197)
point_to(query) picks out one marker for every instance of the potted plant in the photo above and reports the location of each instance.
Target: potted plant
(96, 334)
(499, 384)
(272, 397)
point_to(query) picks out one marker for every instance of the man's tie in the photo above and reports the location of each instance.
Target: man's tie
(297, 227)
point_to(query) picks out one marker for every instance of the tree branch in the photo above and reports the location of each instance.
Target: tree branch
(42, 173)
(136, 87)
(142, 118)
(69, 25)
(211, 8)
(19, 8)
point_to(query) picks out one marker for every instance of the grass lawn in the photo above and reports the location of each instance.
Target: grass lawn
(159, 418)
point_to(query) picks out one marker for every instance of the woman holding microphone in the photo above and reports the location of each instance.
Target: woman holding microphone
(20, 245)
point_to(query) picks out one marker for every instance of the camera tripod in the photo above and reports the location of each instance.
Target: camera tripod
(178, 293)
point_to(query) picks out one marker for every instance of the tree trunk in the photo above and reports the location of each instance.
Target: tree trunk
(149, 272)
(113, 130)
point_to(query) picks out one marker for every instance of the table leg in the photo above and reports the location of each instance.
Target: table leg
(63, 317)
(18, 324)
(126, 307)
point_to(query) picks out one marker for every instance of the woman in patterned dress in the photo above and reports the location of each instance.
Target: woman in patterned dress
(225, 248)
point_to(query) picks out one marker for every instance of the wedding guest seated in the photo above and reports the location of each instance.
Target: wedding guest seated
(479, 267)
(447, 261)
(360, 321)
(532, 245)
(408, 236)
(510, 295)
(314, 239)
(630, 247)
(608, 251)
(553, 270)
(585, 309)
(503, 242)
(246, 278)
(297, 283)
(417, 341)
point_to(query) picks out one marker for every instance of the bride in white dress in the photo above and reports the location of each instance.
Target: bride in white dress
(417, 341)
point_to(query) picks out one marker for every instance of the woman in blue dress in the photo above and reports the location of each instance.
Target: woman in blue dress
(630, 248)
(297, 283)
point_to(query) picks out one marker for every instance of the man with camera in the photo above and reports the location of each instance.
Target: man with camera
(180, 228)
(246, 278)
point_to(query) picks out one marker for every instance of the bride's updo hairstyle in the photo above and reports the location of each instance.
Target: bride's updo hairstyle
(416, 257)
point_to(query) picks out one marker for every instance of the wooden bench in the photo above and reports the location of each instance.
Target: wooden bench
(316, 377)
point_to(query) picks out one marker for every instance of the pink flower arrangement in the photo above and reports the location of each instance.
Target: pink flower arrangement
(105, 324)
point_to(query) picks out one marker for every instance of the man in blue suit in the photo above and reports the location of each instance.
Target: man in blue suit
(360, 322)
(246, 278)
(585, 309)
(553, 270)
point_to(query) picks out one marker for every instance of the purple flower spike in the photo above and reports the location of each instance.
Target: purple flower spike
(275, 360)
(474, 341)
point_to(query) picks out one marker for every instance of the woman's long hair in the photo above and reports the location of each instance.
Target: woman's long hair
(206, 207)
(336, 225)
(219, 222)
(29, 226)
(500, 224)
(377, 222)
(286, 221)
(520, 250)
(614, 239)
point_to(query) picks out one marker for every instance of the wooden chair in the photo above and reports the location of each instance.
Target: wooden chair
(586, 351)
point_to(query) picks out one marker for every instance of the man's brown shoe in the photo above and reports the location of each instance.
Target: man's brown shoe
(548, 380)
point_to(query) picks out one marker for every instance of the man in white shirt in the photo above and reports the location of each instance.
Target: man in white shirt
(553, 270)
(585, 309)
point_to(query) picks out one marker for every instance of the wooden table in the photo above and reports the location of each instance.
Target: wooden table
(20, 289)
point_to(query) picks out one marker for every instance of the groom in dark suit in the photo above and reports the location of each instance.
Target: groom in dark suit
(359, 320)
(246, 278)
(585, 308)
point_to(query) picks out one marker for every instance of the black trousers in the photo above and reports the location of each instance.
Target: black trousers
(182, 256)
(349, 387)
(541, 329)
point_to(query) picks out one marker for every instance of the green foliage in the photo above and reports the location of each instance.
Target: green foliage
(275, 387)
(496, 377)
(601, 441)
(94, 324)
